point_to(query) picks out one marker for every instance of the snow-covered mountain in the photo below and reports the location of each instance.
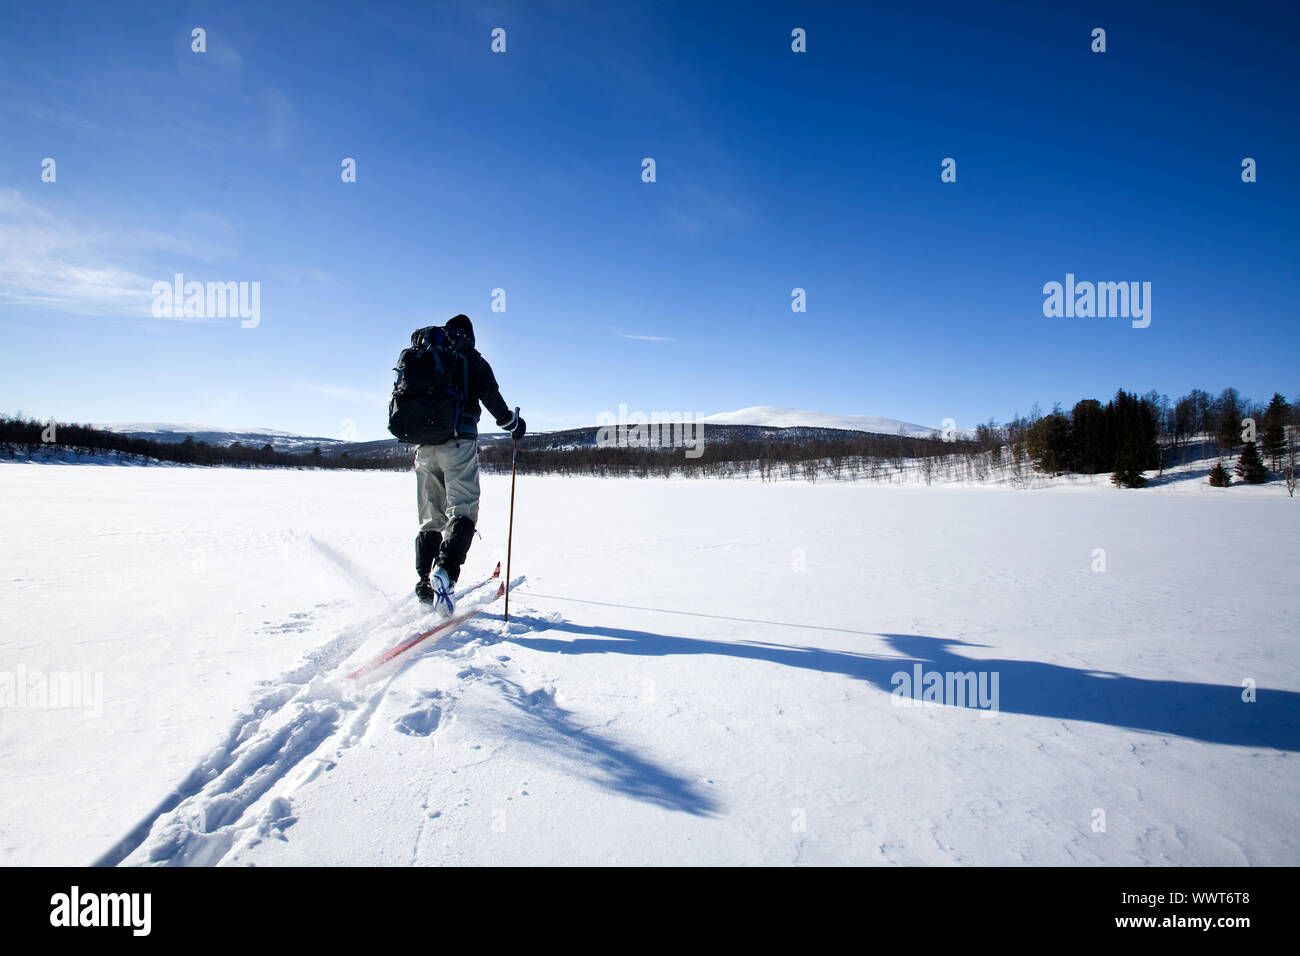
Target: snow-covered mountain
(214, 435)
(775, 417)
(768, 416)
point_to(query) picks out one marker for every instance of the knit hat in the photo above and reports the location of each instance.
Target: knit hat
(462, 323)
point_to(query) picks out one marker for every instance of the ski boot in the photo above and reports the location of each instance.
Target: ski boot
(441, 587)
(427, 544)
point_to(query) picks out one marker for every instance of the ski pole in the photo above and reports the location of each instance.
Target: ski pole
(510, 536)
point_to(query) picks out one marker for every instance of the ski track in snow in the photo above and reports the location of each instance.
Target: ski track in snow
(299, 727)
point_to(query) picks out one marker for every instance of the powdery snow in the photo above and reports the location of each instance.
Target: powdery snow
(694, 672)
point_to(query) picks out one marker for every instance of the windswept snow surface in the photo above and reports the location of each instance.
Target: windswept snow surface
(694, 672)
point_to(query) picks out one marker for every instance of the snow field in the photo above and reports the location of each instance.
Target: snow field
(694, 672)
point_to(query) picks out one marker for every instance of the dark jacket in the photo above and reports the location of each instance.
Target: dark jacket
(482, 388)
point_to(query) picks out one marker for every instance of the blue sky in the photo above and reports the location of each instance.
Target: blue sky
(522, 171)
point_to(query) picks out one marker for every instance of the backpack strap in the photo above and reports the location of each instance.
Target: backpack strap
(464, 391)
(434, 350)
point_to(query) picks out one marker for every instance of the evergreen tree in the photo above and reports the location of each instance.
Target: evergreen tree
(1250, 467)
(1275, 420)
(1132, 428)
(1229, 419)
(1091, 438)
(1219, 477)
(1128, 464)
(1048, 443)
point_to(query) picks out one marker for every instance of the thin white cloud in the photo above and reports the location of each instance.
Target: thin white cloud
(311, 274)
(66, 118)
(50, 262)
(77, 266)
(346, 393)
(190, 244)
(281, 119)
(645, 338)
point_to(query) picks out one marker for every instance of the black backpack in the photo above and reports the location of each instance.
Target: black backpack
(432, 382)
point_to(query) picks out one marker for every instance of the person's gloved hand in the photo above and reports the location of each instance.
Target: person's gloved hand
(515, 426)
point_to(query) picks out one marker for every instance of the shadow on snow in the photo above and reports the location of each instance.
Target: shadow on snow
(536, 719)
(1212, 713)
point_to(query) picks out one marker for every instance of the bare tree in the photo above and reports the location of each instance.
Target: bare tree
(1290, 470)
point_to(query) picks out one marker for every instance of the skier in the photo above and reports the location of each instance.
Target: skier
(440, 381)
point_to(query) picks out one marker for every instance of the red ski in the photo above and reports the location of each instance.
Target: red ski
(439, 628)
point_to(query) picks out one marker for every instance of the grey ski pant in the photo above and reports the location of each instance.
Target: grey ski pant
(446, 483)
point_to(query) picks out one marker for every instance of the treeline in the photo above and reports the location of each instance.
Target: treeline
(1131, 434)
(807, 459)
(1125, 437)
(29, 438)
(1120, 437)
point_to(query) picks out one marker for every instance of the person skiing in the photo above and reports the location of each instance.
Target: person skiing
(441, 379)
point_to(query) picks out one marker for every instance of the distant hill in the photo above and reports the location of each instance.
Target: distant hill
(775, 417)
(759, 423)
(711, 433)
(222, 437)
